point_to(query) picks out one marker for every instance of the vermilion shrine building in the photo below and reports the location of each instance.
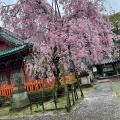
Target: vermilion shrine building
(12, 52)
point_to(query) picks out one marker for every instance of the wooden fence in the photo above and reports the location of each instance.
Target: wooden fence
(32, 86)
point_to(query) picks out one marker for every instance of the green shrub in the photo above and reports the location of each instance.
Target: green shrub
(49, 92)
(3, 99)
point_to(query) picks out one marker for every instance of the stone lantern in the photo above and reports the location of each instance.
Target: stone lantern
(19, 97)
(85, 79)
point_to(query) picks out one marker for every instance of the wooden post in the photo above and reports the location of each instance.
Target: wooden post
(55, 101)
(8, 76)
(73, 96)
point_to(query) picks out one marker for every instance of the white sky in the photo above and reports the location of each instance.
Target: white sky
(114, 3)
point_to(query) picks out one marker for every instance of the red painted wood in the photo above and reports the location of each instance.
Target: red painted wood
(6, 42)
(3, 45)
(26, 76)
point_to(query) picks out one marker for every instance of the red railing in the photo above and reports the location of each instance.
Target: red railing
(32, 86)
(6, 90)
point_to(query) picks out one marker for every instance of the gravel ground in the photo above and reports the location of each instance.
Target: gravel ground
(100, 104)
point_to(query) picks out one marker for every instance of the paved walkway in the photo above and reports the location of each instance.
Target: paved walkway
(100, 104)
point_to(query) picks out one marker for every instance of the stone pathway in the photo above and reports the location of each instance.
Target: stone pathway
(100, 104)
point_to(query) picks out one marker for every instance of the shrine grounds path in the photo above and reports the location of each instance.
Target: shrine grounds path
(100, 104)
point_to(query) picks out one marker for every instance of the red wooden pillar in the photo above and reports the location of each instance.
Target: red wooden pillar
(8, 76)
(25, 74)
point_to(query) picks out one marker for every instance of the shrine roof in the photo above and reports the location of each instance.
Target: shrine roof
(109, 60)
(16, 44)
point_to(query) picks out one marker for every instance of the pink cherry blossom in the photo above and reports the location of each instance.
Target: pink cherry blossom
(82, 27)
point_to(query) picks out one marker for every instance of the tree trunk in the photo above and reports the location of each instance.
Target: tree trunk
(66, 89)
(56, 88)
(82, 95)
(43, 91)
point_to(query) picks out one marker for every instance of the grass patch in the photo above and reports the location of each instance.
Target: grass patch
(117, 91)
(49, 107)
